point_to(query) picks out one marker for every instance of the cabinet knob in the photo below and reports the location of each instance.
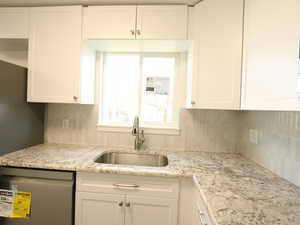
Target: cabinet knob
(138, 32)
(193, 102)
(132, 32)
(75, 98)
(127, 204)
(120, 204)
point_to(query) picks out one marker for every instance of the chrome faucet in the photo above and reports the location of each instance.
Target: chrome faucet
(139, 134)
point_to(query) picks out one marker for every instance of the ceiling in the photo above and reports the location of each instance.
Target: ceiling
(4, 3)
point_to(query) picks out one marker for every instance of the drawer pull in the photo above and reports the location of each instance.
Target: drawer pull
(126, 185)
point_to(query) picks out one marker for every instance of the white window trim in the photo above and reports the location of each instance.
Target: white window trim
(148, 128)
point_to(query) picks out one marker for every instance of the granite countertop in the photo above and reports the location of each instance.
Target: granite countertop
(242, 192)
(81, 158)
(236, 190)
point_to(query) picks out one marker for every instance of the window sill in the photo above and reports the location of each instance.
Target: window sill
(148, 130)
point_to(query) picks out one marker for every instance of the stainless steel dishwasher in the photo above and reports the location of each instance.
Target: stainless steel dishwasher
(52, 195)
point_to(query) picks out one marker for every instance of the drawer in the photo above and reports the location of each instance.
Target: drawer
(126, 184)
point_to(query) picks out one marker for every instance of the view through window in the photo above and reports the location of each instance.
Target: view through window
(138, 84)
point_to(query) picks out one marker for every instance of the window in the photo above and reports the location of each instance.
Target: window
(146, 85)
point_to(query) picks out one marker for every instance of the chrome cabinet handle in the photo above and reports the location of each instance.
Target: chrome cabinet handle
(120, 204)
(127, 204)
(126, 185)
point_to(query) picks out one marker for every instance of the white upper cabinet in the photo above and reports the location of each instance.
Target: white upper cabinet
(271, 53)
(14, 22)
(216, 29)
(54, 73)
(162, 22)
(109, 22)
(135, 22)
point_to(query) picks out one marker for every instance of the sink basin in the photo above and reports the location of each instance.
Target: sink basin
(134, 159)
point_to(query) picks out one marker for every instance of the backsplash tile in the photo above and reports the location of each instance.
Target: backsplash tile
(201, 130)
(278, 147)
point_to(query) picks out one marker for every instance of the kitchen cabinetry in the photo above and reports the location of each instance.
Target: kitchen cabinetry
(54, 73)
(109, 22)
(271, 53)
(118, 200)
(14, 23)
(135, 22)
(99, 208)
(149, 211)
(162, 22)
(216, 29)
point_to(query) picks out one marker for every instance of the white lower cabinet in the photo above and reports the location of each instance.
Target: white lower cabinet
(99, 208)
(130, 200)
(150, 211)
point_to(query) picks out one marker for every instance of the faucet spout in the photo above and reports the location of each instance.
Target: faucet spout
(138, 134)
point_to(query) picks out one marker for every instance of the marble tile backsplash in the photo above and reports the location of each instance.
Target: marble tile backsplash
(278, 143)
(201, 130)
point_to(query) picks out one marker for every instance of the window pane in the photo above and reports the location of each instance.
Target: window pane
(120, 88)
(158, 78)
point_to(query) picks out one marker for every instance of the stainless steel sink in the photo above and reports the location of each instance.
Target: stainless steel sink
(134, 159)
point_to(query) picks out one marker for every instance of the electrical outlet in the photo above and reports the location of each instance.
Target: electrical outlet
(66, 124)
(253, 136)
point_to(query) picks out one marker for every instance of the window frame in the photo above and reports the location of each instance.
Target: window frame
(149, 127)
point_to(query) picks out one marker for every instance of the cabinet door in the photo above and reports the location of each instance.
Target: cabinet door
(98, 208)
(162, 22)
(54, 54)
(109, 22)
(217, 34)
(271, 53)
(14, 22)
(150, 211)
